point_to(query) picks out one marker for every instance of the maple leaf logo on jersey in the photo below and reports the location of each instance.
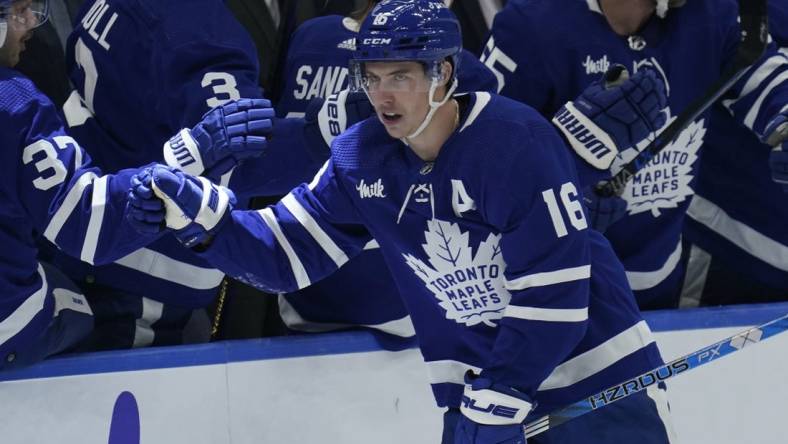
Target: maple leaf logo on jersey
(665, 181)
(470, 288)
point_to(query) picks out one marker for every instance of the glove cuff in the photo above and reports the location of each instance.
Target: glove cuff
(588, 140)
(486, 403)
(332, 117)
(181, 152)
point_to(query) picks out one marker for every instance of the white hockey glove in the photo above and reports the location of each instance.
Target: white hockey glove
(776, 135)
(491, 413)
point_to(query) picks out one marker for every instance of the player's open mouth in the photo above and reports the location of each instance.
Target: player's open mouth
(389, 118)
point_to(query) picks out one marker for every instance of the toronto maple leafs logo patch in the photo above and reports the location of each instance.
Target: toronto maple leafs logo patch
(665, 181)
(470, 288)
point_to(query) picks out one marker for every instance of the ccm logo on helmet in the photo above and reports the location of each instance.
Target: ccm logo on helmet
(377, 41)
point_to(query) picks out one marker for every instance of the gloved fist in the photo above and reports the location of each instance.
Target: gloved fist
(491, 413)
(612, 114)
(776, 135)
(326, 119)
(193, 207)
(603, 211)
(226, 136)
(144, 211)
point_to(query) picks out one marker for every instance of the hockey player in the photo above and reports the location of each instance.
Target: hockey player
(144, 69)
(689, 46)
(50, 192)
(736, 220)
(317, 67)
(474, 203)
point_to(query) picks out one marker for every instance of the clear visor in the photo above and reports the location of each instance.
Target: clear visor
(25, 15)
(391, 76)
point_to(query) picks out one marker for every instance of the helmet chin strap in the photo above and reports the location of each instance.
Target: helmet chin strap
(433, 107)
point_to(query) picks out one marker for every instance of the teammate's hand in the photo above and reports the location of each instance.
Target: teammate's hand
(144, 211)
(326, 119)
(776, 135)
(500, 425)
(194, 207)
(226, 136)
(612, 114)
(603, 211)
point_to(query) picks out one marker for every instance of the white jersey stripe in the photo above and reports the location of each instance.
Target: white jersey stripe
(599, 358)
(164, 267)
(67, 207)
(97, 205)
(402, 327)
(299, 272)
(756, 78)
(308, 222)
(16, 321)
(482, 99)
(547, 314)
(316, 179)
(749, 121)
(448, 371)
(550, 278)
(643, 280)
(743, 236)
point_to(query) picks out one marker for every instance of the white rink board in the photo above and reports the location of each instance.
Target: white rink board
(262, 391)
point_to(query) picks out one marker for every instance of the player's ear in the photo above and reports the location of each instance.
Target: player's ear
(446, 72)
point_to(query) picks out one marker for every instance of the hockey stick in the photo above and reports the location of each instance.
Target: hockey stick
(669, 370)
(754, 30)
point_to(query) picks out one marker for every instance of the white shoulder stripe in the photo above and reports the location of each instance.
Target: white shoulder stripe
(550, 278)
(749, 121)
(302, 279)
(317, 177)
(70, 202)
(643, 280)
(599, 358)
(97, 205)
(482, 99)
(16, 321)
(547, 314)
(161, 266)
(448, 371)
(308, 222)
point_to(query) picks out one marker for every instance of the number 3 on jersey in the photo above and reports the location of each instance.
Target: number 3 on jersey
(572, 207)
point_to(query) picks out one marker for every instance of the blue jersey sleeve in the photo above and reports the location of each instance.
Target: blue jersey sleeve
(305, 237)
(72, 204)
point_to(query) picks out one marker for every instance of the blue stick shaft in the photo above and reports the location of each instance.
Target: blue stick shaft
(669, 370)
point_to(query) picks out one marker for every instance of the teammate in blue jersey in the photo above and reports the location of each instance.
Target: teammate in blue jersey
(473, 200)
(144, 69)
(51, 192)
(570, 42)
(736, 220)
(317, 67)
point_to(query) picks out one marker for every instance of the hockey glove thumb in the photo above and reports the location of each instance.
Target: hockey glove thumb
(491, 413)
(195, 207)
(225, 136)
(612, 114)
(603, 211)
(776, 135)
(144, 211)
(326, 119)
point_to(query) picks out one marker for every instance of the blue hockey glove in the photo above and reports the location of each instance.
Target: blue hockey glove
(603, 211)
(194, 207)
(491, 413)
(144, 211)
(226, 136)
(777, 136)
(612, 114)
(326, 119)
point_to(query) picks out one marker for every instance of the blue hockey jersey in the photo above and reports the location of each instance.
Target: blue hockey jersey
(570, 44)
(318, 58)
(317, 66)
(488, 246)
(144, 69)
(738, 213)
(49, 191)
